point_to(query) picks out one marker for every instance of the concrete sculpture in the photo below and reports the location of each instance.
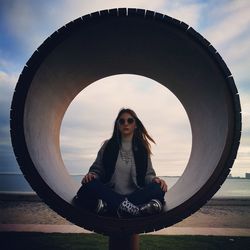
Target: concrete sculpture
(126, 41)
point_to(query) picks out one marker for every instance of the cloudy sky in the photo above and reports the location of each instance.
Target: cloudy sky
(25, 24)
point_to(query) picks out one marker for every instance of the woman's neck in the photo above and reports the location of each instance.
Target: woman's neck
(126, 143)
(127, 138)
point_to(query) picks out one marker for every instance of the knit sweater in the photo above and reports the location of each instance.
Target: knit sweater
(123, 183)
(123, 180)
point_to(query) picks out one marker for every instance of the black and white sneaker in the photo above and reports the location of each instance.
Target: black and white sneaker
(153, 207)
(127, 209)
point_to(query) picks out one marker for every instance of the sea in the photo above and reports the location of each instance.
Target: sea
(231, 188)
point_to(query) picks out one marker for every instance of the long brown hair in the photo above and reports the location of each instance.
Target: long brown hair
(140, 134)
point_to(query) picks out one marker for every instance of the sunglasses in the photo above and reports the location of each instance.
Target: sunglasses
(129, 121)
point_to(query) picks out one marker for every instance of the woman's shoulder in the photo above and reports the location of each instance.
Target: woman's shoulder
(105, 143)
(110, 145)
(103, 146)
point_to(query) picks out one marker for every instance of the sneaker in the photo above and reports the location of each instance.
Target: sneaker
(101, 207)
(127, 209)
(153, 207)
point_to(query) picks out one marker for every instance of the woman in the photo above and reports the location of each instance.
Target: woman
(122, 180)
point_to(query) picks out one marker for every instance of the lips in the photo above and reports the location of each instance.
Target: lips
(125, 129)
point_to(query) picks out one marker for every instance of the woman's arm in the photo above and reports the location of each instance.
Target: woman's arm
(96, 170)
(151, 177)
(150, 174)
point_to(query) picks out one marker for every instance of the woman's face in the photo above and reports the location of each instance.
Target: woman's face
(126, 124)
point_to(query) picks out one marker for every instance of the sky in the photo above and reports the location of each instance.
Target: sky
(24, 25)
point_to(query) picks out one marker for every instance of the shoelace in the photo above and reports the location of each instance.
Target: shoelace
(128, 207)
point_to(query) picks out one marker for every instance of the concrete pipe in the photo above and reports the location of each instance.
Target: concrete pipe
(126, 41)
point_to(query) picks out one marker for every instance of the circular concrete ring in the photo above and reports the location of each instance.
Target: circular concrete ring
(126, 41)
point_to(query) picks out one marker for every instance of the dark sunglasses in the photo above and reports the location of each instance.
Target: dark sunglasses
(129, 121)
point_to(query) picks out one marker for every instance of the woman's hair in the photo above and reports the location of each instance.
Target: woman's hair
(140, 134)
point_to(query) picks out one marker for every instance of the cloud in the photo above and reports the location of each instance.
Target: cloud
(238, 62)
(28, 22)
(185, 11)
(228, 31)
(79, 8)
(7, 159)
(7, 85)
(230, 21)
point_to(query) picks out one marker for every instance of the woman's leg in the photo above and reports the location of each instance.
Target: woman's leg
(117, 204)
(146, 194)
(90, 192)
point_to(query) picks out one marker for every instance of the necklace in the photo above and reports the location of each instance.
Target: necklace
(126, 155)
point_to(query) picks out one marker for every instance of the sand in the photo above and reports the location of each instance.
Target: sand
(218, 213)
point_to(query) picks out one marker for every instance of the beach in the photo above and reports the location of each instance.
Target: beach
(217, 213)
(28, 223)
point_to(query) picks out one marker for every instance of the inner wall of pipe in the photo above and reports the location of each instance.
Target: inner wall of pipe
(161, 53)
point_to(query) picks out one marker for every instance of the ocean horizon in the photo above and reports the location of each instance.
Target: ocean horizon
(232, 187)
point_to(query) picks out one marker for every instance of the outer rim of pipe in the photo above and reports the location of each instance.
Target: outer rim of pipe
(102, 224)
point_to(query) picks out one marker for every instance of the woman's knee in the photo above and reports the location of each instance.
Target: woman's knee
(88, 187)
(155, 186)
(156, 189)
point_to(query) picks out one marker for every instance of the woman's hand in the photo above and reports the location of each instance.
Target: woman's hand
(162, 183)
(88, 177)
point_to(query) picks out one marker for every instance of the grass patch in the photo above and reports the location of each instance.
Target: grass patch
(150, 242)
(56, 241)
